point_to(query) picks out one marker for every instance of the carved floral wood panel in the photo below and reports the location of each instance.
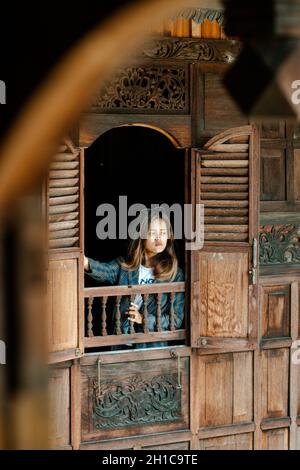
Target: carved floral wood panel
(134, 398)
(136, 401)
(145, 89)
(279, 244)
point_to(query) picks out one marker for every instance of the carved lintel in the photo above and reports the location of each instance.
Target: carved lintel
(145, 88)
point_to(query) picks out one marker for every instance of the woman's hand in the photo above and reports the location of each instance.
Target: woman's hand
(134, 314)
(86, 264)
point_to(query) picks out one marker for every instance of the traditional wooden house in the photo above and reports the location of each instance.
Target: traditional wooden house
(229, 378)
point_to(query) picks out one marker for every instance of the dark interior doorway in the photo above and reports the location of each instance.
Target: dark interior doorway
(135, 161)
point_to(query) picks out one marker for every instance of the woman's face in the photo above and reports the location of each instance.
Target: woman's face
(157, 237)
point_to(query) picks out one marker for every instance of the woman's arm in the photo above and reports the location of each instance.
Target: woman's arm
(102, 272)
(86, 264)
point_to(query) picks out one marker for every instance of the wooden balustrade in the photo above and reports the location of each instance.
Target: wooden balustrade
(99, 312)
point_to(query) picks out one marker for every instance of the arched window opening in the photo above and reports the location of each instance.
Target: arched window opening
(130, 165)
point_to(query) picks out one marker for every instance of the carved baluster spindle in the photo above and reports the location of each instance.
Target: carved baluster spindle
(172, 316)
(90, 317)
(145, 313)
(158, 312)
(118, 315)
(103, 317)
(132, 330)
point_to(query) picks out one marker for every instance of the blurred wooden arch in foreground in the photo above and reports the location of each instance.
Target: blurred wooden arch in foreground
(39, 128)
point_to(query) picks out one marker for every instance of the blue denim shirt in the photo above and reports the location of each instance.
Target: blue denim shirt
(113, 273)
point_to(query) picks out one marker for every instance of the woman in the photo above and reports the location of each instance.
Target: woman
(151, 259)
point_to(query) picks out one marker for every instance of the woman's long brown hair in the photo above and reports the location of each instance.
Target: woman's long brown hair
(164, 264)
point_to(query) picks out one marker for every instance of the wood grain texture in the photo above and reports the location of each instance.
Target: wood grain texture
(275, 440)
(224, 390)
(175, 440)
(63, 305)
(275, 311)
(177, 127)
(223, 294)
(59, 410)
(233, 442)
(274, 393)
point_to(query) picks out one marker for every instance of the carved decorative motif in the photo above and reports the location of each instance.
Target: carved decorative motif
(158, 88)
(192, 49)
(201, 14)
(136, 401)
(279, 244)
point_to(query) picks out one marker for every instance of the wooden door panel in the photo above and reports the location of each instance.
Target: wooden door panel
(223, 294)
(63, 308)
(233, 442)
(297, 174)
(277, 439)
(275, 306)
(275, 380)
(223, 389)
(224, 297)
(273, 174)
(59, 407)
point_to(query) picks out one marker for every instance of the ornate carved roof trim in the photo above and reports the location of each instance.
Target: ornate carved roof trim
(201, 14)
(191, 49)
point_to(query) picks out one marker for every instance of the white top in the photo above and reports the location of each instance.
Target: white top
(146, 276)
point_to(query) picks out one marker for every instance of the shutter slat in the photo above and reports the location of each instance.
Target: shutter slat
(55, 192)
(63, 242)
(57, 174)
(64, 233)
(64, 225)
(225, 220)
(224, 212)
(230, 148)
(225, 164)
(64, 165)
(224, 179)
(63, 208)
(63, 183)
(224, 203)
(220, 195)
(225, 171)
(56, 201)
(65, 157)
(226, 228)
(225, 156)
(225, 187)
(64, 217)
(227, 237)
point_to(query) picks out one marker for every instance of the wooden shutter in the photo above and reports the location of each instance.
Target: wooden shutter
(225, 175)
(224, 290)
(63, 200)
(64, 209)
